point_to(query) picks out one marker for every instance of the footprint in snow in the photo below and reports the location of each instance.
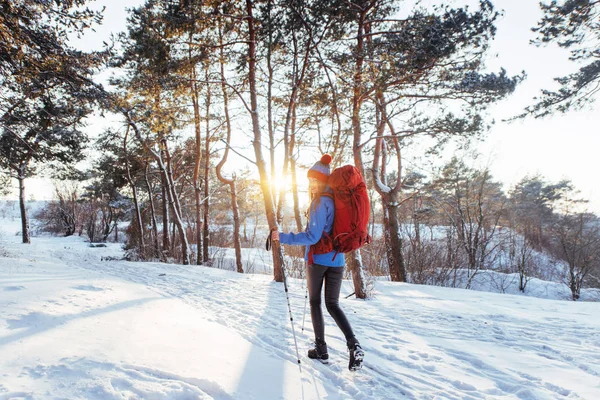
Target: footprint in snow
(464, 386)
(13, 288)
(557, 389)
(88, 288)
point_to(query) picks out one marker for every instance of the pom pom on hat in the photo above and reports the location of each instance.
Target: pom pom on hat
(321, 170)
(326, 159)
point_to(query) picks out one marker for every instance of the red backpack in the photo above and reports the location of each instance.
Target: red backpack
(352, 211)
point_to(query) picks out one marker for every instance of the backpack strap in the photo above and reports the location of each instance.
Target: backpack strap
(325, 243)
(325, 194)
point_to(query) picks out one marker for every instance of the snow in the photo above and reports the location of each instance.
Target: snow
(74, 326)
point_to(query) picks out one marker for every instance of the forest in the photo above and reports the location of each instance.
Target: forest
(198, 86)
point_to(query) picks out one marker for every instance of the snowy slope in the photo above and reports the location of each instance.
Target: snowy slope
(74, 326)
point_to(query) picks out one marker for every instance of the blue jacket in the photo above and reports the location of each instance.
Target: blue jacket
(320, 219)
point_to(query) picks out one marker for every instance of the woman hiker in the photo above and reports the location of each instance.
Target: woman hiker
(325, 268)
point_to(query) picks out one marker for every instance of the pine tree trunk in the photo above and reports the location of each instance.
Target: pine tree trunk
(206, 200)
(236, 229)
(231, 182)
(289, 131)
(196, 178)
(138, 215)
(391, 225)
(198, 217)
(24, 220)
(166, 239)
(175, 206)
(270, 72)
(154, 233)
(394, 243)
(286, 135)
(293, 171)
(297, 215)
(355, 263)
(257, 143)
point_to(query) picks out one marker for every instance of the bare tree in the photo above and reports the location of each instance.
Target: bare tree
(473, 204)
(63, 215)
(577, 239)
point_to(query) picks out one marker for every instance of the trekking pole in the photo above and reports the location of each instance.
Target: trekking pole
(287, 296)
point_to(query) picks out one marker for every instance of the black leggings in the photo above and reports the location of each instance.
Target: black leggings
(332, 276)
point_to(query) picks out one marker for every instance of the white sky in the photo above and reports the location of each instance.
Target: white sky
(557, 147)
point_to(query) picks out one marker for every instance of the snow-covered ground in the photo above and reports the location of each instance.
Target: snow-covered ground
(75, 326)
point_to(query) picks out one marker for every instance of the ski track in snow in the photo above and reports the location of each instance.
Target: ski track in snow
(416, 344)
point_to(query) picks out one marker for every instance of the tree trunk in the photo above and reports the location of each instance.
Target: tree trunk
(356, 268)
(573, 283)
(166, 239)
(24, 220)
(293, 171)
(138, 215)
(394, 243)
(297, 215)
(289, 131)
(196, 178)
(206, 200)
(236, 229)
(175, 205)
(231, 182)
(156, 252)
(260, 163)
(107, 222)
(355, 262)
(391, 226)
(270, 72)
(198, 220)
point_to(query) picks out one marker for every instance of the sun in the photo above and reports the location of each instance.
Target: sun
(279, 182)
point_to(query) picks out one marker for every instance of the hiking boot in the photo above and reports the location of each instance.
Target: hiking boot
(319, 352)
(356, 355)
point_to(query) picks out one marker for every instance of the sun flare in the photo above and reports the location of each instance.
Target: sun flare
(279, 182)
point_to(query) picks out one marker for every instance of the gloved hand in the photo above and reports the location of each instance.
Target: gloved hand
(273, 236)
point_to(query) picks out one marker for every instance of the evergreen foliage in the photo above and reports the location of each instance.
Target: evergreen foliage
(47, 86)
(573, 25)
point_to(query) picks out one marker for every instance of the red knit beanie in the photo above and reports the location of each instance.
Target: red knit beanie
(320, 170)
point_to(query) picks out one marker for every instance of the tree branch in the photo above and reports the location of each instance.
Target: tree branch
(236, 152)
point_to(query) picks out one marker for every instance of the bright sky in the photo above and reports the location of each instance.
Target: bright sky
(557, 147)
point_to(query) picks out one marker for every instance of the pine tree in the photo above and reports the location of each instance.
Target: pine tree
(417, 76)
(47, 87)
(573, 25)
